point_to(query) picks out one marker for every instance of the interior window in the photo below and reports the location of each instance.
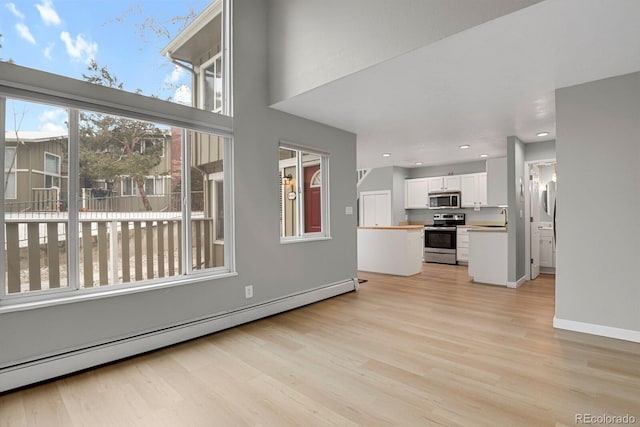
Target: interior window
(303, 194)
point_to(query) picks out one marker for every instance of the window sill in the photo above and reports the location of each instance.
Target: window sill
(81, 295)
(288, 240)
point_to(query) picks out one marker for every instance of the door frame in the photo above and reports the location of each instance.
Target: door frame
(527, 211)
(371, 193)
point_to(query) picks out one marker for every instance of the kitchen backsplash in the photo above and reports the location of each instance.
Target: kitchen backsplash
(484, 214)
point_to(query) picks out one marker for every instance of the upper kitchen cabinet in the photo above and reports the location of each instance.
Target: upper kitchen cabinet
(473, 188)
(444, 183)
(496, 182)
(415, 193)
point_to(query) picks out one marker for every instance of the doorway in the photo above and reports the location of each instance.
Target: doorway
(540, 206)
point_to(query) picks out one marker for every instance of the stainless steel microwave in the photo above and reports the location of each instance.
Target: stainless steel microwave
(445, 200)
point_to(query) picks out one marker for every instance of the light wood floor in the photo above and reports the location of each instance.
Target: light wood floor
(433, 349)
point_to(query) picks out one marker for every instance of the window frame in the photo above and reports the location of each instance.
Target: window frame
(29, 85)
(300, 235)
(200, 71)
(54, 176)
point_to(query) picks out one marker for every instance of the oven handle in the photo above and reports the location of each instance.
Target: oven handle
(440, 228)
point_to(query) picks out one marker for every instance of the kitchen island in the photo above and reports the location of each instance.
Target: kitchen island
(391, 250)
(489, 255)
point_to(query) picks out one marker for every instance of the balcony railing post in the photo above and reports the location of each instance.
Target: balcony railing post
(113, 251)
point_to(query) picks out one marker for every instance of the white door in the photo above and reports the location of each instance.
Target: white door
(375, 209)
(535, 214)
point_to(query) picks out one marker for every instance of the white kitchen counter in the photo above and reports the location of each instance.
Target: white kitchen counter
(489, 255)
(391, 250)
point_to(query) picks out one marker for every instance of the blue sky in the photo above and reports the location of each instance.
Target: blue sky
(61, 36)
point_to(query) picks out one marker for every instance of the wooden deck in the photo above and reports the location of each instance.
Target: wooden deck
(431, 349)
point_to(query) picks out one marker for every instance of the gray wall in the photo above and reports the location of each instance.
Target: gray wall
(598, 147)
(516, 227)
(314, 42)
(543, 150)
(399, 176)
(454, 169)
(260, 257)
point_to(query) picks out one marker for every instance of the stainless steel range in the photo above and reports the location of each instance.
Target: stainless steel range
(440, 238)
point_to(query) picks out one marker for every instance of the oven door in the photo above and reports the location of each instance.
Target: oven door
(440, 239)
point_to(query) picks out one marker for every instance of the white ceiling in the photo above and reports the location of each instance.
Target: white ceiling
(479, 86)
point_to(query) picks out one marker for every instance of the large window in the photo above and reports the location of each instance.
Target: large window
(121, 221)
(303, 194)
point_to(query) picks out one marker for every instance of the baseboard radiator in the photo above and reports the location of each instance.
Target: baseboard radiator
(53, 366)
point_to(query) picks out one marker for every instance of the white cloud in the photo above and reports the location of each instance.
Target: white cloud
(48, 13)
(12, 7)
(52, 127)
(56, 114)
(47, 50)
(182, 95)
(175, 75)
(80, 48)
(53, 120)
(24, 32)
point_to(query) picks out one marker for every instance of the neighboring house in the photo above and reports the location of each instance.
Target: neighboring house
(121, 193)
(35, 167)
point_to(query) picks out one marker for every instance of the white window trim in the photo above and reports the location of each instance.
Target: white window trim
(301, 236)
(54, 175)
(201, 86)
(215, 178)
(36, 86)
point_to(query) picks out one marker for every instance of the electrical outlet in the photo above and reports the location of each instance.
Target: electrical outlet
(248, 291)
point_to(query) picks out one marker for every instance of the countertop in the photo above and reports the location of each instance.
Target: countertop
(394, 227)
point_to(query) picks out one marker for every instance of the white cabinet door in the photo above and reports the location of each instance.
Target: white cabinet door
(375, 209)
(468, 190)
(547, 258)
(435, 184)
(444, 183)
(474, 189)
(481, 189)
(416, 193)
(451, 183)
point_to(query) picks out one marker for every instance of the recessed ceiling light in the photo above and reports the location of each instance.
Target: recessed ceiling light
(464, 146)
(542, 134)
(484, 155)
(419, 163)
(386, 155)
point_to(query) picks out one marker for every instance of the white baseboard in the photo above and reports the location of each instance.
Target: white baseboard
(600, 330)
(517, 283)
(62, 364)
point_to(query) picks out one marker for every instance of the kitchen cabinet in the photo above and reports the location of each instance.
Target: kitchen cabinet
(473, 187)
(444, 183)
(488, 256)
(391, 250)
(547, 248)
(415, 193)
(497, 194)
(462, 244)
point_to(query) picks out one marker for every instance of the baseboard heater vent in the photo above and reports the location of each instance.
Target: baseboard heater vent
(60, 364)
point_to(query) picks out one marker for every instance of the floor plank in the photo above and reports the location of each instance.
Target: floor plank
(431, 349)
